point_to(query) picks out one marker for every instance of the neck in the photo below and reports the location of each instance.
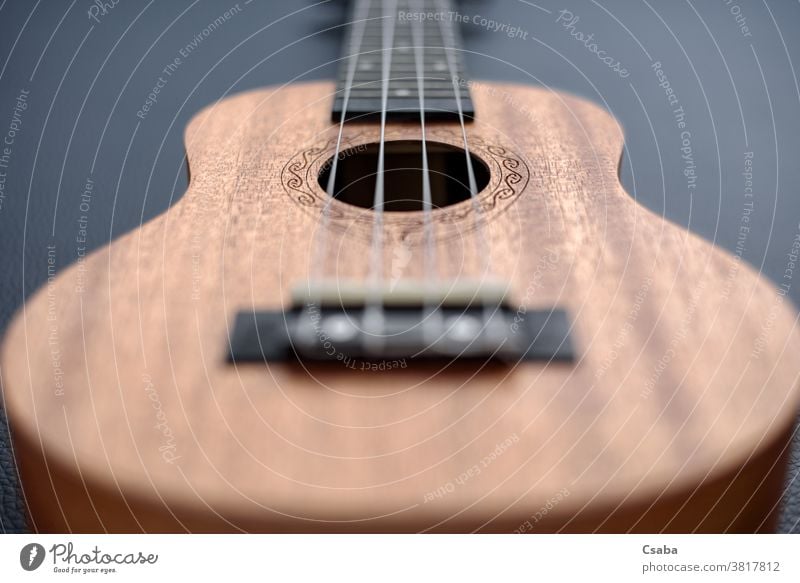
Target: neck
(433, 21)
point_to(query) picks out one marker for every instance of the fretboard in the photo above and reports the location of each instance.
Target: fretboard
(440, 36)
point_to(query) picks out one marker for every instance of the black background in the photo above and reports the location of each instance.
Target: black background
(88, 79)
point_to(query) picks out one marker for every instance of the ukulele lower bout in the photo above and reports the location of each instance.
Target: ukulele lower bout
(156, 430)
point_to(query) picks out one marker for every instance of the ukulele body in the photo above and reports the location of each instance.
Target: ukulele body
(675, 416)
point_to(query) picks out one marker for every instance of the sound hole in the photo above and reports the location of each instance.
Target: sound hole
(357, 167)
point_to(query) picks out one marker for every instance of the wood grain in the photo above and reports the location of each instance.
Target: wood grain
(675, 418)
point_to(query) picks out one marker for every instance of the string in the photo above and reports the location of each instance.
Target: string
(429, 325)
(373, 312)
(360, 13)
(480, 237)
(357, 35)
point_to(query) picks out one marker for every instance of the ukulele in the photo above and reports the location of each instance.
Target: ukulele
(403, 302)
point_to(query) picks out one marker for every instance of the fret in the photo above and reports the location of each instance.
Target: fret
(403, 96)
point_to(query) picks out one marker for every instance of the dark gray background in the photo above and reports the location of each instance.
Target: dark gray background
(87, 80)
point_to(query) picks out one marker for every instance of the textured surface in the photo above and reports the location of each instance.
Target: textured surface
(12, 511)
(139, 331)
(790, 512)
(691, 51)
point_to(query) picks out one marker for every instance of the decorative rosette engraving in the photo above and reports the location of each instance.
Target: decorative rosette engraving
(509, 176)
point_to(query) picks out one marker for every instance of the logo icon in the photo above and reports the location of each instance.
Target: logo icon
(31, 556)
